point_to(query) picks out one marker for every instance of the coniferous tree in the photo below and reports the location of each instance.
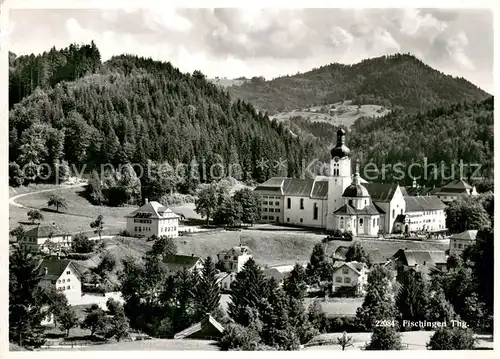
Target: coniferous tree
(385, 338)
(317, 269)
(247, 291)
(26, 299)
(294, 283)
(412, 297)
(208, 292)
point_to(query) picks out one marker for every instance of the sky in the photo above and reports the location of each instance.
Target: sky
(267, 42)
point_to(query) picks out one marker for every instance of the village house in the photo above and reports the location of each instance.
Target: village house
(63, 276)
(42, 236)
(350, 274)
(177, 262)
(153, 219)
(422, 261)
(460, 241)
(454, 190)
(375, 256)
(225, 280)
(234, 259)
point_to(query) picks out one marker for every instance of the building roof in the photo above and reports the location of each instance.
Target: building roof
(349, 210)
(320, 190)
(423, 203)
(421, 257)
(177, 262)
(46, 230)
(207, 325)
(357, 267)
(340, 252)
(381, 192)
(55, 267)
(356, 190)
(469, 235)
(457, 184)
(240, 250)
(375, 255)
(152, 209)
(222, 275)
(298, 187)
(419, 191)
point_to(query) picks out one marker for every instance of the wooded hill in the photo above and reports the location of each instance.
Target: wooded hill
(73, 107)
(396, 80)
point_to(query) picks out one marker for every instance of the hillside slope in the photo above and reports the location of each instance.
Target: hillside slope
(397, 80)
(134, 109)
(448, 134)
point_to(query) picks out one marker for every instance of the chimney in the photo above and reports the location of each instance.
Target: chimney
(192, 254)
(45, 271)
(146, 201)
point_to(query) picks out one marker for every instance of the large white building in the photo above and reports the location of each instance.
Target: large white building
(341, 200)
(153, 219)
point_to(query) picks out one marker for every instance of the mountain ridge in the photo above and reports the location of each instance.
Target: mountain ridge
(391, 80)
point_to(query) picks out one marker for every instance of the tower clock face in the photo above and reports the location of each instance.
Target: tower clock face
(336, 159)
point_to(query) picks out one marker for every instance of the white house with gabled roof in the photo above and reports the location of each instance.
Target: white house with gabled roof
(153, 219)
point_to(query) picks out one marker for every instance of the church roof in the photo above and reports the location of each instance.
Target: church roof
(381, 192)
(295, 187)
(298, 187)
(340, 150)
(349, 210)
(356, 190)
(423, 203)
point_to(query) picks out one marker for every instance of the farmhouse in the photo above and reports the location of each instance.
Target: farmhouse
(177, 262)
(350, 274)
(63, 276)
(339, 201)
(234, 259)
(42, 236)
(460, 241)
(153, 219)
(422, 261)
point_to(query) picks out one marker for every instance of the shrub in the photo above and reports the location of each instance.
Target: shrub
(385, 338)
(124, 233)
(238, 337)
(82, 244)
(342, 324)
(454, 338)
(176, 199)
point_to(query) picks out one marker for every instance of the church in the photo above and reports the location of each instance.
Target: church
(341, 200)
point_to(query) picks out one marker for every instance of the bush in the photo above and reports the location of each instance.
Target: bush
(342, 324)
(238, 337)
(82, 244)
(454, 338)
(346, 292)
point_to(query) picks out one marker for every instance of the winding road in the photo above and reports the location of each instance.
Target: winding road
(12, 200)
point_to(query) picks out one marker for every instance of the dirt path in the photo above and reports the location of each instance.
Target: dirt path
(12, 200)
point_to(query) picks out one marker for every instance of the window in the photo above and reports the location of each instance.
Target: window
(302, 203)
(338, 279)
(350, 202)
(265, 202)
(277, 210)
(288, 219)
(271, 209)
(301, 220)
(276, 203)
(341, 225)
(59, 281)
(460, 246)
(235, 258)
(68, 280)
(378, 221)
(264, 209)
(374, 222)
(289, 203)
(64, 280)
(345, 270)
(401, 210)
(347, 280)
(68, 272)
(271, 217)
(361, 221)
(69, 287)
(264, 217)
(366, 202)
(315, 211)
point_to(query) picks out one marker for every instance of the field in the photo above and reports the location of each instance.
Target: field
(346, 114)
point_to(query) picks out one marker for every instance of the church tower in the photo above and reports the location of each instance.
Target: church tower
(339, 178)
